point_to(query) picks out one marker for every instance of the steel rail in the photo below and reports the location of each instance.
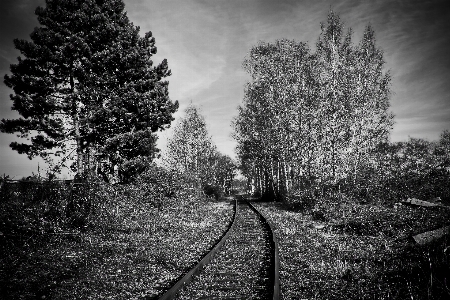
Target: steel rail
(275, 263)
(170, 294)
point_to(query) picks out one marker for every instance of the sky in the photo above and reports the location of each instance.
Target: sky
(205, 42)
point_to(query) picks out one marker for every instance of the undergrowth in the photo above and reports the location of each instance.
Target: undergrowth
(348, 250)
(103, 241)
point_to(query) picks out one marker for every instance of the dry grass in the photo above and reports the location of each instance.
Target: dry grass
(353, 251)
(139, 242)
(132, 250)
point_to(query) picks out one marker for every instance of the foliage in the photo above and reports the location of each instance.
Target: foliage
(138, 241)
(132, 153)
(34, 205)
(210, 190)
(359, 251)
(314, 123)
(416, 168)
(312, 118)
(191, 152)
(86, 78)
(168, 182)
(224, 172)
(239, 185)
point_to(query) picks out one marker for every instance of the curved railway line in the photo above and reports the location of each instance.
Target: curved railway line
(243, 264)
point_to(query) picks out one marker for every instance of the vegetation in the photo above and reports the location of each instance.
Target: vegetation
(312, 122)
(412, 169)
(349, 250)
(135, 242)
(87, 87)
(192, 152)
(312, 118)
(313, 131)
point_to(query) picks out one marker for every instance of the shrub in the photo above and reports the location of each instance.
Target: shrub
(79, 206)
(301, 199)
(34, 205)
(130, 170)
(47, 205)
(166, 182)
(211, 190)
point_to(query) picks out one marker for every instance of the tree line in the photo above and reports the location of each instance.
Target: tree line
(191, 152)
(314, 119)
(90, 98)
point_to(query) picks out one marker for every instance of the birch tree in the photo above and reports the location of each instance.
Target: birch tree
(312, 118)
(190, 150)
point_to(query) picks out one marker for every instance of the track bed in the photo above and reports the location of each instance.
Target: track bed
(243, 266)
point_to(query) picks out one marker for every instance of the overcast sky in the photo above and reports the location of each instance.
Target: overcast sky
(205, 42)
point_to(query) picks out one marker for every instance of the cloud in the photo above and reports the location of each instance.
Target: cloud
(411, 33)
(205, 42)
(191, 40)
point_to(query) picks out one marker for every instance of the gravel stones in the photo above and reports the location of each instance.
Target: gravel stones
(241, 268)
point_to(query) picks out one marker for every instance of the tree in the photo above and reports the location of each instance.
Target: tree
(271, 122)
(86, 81)
(312, 118)
(190, 150)
(415, 168)
(132, 153)
(224, 172)
(443, 149)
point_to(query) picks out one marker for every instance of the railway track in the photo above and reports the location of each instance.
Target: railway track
(243, 265)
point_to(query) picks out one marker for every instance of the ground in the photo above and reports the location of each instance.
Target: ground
(353, 251)
(341, 250)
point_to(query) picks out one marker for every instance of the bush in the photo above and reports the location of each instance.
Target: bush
(301, 199)
(130, 170)
(34, 205)
(160, 180)
(79, 206)
(425, 185)
(211, 190)
(120, 206)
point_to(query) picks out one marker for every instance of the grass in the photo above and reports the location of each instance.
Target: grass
(130, 250)
(139, 239)
(352, 251)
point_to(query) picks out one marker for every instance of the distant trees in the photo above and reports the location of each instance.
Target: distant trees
(443, 149)
(312, 118)
(86, 85)
(265, 127)
(415, 168)
(192, 152)
(224, 172)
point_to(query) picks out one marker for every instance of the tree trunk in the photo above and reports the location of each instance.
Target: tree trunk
(286, 176)
(78, 140)
(260, 180)
(76, 124)
(274, 185)
(279, 180)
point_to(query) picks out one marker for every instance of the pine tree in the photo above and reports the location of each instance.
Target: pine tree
(86, 78)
